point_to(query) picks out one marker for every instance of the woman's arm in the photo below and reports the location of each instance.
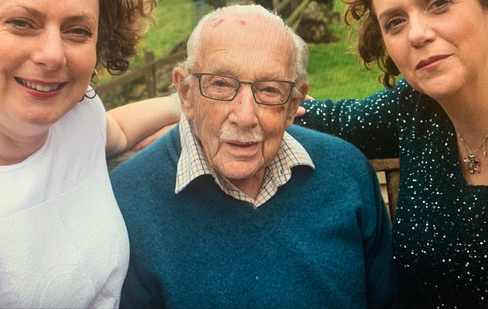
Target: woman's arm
(132, 123)
(370, 124)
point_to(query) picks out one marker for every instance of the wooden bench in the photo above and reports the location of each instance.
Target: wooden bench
(391, 168)
(115, 161)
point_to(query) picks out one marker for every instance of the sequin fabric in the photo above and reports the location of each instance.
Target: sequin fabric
(440, 229)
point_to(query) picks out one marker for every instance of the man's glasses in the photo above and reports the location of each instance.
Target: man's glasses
(224, 88)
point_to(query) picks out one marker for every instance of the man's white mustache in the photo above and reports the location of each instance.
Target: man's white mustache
(230, 132)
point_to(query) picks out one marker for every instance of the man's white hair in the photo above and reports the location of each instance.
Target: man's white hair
(299, 46)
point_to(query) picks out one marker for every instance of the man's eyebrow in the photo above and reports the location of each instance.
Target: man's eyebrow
(229, 73)
(224, 72)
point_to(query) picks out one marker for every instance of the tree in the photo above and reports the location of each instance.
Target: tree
(216, 3)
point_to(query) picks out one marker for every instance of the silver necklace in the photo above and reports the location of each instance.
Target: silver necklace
(472, 164)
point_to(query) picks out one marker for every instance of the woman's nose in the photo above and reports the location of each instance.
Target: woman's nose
(420, 32)
(50, 50)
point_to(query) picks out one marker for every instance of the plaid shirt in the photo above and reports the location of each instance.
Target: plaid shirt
(193, 163)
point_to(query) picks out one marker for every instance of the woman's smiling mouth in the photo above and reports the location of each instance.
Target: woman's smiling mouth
(39, 87)
(426, 64)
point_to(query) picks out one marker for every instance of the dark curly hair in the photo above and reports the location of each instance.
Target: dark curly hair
(370, 45)
(121, 25)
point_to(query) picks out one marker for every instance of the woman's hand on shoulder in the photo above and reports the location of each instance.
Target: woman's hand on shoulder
(301, 110)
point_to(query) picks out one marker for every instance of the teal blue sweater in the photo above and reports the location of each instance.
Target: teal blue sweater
(323, 241)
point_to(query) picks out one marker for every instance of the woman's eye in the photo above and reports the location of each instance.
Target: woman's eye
(440, 5)
(18, 23)
(393, 24)
(80, 32)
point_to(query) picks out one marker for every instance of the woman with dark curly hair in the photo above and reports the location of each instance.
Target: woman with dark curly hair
(63, 240)
(436, 121)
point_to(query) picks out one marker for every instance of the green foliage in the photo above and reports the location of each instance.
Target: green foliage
(333, 69)
(173, 24)
(334, 73)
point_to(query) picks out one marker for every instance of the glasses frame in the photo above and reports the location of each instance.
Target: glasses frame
(199, 77)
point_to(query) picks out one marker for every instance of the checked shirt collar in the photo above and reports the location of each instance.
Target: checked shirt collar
(193, 163)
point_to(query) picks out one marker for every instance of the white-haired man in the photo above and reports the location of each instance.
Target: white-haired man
(230, 211)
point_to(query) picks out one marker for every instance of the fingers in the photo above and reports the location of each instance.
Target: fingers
(300, 111)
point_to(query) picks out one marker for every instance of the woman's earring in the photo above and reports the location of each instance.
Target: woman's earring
(94, 87)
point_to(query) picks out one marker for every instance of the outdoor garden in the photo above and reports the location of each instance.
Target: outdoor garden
(333, 68)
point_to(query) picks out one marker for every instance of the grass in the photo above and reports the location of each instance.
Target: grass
(173, 24)
(334, 72)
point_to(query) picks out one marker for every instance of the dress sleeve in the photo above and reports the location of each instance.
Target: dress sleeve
(370, 124)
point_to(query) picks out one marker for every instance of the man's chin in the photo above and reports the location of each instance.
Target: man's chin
(237, 176)
(240, 174)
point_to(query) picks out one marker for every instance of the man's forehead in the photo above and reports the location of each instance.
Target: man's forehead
(229, 18)
(257, 64)
(241, 25)
(241, 46)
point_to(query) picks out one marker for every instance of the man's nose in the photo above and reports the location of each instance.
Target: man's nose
(244, 108)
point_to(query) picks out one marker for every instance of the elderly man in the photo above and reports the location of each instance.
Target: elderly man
(230, 211)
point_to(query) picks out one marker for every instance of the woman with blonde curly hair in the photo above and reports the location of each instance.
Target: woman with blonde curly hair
(63, 240)
(436, 121)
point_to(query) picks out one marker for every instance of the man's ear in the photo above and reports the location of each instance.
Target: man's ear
(183, 89)
(295, 102)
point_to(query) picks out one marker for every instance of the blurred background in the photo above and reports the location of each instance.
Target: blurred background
(334, 72)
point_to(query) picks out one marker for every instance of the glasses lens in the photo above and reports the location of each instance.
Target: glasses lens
(271, 92)
(218, 87)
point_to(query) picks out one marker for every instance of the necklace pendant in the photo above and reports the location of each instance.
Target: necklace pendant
(472, 164)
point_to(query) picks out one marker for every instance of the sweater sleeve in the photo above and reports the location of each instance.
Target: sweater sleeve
(140, 290)
(370, 124)
(356, 180)
(381, 274)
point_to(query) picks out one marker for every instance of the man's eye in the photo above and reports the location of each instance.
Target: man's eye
(270, 90)
(219, 83)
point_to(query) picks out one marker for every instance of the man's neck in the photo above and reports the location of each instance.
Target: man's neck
(250, 186)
